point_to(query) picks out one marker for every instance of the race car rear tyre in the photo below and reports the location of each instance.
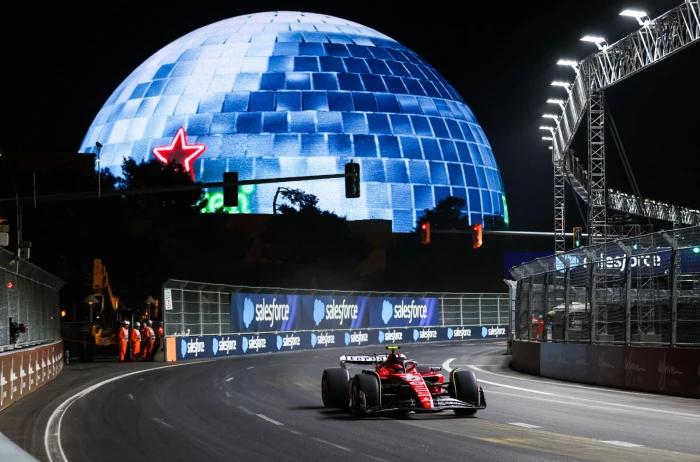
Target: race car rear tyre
(364, 393)
(464, 387)
(334, 388)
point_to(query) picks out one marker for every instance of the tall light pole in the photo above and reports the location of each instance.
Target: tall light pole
(98, 145)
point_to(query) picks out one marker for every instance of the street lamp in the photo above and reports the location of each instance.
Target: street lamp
(550, 116)
(599, 41)
(548, 128)
(641, 16)
(547, 138)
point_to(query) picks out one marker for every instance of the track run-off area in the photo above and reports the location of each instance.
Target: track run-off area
(268, 407)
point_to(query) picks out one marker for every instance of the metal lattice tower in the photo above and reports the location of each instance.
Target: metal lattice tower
(656, 40)
(597, 210)
(559, 207)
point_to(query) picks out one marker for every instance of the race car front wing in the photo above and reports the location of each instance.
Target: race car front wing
(440, 403)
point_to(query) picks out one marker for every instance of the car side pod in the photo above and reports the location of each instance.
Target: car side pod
(334, 388)
(464, 387)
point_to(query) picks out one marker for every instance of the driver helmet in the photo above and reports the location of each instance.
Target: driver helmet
(137, 324)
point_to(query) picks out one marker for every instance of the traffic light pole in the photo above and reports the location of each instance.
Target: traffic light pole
(163, 189)
(502, 233)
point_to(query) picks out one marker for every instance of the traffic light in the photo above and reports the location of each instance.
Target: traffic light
(578, 237)
(230, 189)
(352, 180)
(64, 313)
(477, 235)
(424, 232)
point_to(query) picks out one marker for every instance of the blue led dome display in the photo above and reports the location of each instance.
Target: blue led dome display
(283, 94)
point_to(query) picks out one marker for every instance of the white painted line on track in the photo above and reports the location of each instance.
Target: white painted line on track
(228, 379)
(524, 425)
(573, 385)
(272, 421)
(528, 390)
(52, 433)
(448, 368)
(131, 397)
(228, 394)
(446, 365)
(246, 410)
(605, 407)
(294, 431)
(162, 422)
(370, 456)
(623, 444)
(250, 367)
(320, 440)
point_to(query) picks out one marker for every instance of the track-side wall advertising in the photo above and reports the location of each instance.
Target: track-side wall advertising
(266, 323)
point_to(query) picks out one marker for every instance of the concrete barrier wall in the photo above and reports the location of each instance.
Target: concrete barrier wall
(23, 371)
(672, 371)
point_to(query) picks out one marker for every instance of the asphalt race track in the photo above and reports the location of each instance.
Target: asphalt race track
(268, 407)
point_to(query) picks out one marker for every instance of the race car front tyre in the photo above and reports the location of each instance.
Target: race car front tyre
(334, 388)
(365, 393)
(464, 387)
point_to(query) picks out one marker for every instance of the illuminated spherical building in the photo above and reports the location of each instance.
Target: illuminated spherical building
(287, 93)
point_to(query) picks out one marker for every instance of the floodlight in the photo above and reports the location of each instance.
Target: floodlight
(599, 41)
(641, 16)
(568, 62)
(559, 83)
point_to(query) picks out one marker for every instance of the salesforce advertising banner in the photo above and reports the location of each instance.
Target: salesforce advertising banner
(217, 346)
(264, 312)
(334, 312)
(279, 312)
(403, 312)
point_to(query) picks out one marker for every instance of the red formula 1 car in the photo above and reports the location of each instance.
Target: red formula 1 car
(398, 384)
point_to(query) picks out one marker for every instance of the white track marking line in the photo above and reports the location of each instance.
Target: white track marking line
(523, 424)
(369, 456)
(52, 433)
(246, 410)
(537, 392)
(623, 444)
(228, 379)
(591, 406)
(131, 397)
(446, 365)
(162, 422)
(228, 394)
(320, 440)
(250, 367)
(272, 421)
(572, 385)
(448, 368)
(294, 431)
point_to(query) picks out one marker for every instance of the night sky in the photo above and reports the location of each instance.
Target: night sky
(62, 62)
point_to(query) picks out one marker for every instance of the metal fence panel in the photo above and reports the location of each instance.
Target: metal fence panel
(639, 290)
(205, 309)
(29, 297)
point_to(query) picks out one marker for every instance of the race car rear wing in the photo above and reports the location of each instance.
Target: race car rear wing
(364, 359)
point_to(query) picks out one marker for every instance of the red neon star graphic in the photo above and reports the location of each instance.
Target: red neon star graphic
(180, 152)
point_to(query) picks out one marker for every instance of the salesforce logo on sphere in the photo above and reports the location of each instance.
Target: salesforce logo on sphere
(288, 93)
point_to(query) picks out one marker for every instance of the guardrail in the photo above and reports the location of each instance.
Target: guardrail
(210, 320)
